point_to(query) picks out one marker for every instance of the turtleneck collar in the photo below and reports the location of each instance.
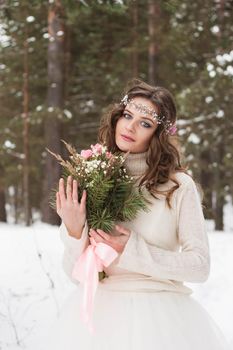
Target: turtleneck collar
(135, 163)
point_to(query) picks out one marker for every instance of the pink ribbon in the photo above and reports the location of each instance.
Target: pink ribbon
(86, 270)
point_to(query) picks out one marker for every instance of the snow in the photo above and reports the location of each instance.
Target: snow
(34, 287)
(193, 138)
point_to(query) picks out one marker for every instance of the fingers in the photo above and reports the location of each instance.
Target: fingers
(103, 234)
(123, 230)
(93, 242)
(117, 242)
(71, 193)
(58, 202)
(94, 235)
(75, 191)
(99, 236)
(69, 188)
(83, 199)
(62, 190)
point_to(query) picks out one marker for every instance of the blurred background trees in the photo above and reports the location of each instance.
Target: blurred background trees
(63, 62)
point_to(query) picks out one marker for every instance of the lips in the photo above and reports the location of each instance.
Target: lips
(127, 138)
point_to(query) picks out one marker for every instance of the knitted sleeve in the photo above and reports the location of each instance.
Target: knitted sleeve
(192, 262)
(73, 248)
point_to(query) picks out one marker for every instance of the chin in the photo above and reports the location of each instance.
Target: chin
(125, 147)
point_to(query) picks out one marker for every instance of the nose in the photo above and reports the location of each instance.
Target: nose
(130, 126)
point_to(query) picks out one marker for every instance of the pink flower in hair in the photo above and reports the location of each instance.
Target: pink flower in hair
(86, 153)
(173, 130)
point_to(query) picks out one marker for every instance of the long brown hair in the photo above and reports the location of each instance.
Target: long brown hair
(164, 154)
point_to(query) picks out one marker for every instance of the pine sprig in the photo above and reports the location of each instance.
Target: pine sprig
(111, 192)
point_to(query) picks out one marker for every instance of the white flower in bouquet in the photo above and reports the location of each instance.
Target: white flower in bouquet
(111, 194)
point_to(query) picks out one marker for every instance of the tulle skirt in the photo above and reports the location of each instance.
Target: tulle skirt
(136, 321)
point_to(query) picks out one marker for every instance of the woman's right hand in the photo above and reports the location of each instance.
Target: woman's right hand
(72, 213)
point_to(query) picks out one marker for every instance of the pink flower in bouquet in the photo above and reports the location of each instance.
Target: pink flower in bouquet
(86, 153)
(108, 155)
(97, 148)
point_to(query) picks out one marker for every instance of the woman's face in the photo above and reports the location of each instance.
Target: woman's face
(135, 129)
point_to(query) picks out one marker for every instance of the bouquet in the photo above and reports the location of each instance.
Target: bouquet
(111, 194)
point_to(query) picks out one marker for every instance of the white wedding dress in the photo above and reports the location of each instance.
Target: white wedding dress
(143, 303)
(136, 321)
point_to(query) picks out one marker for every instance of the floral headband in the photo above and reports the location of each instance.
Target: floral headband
(169, 127)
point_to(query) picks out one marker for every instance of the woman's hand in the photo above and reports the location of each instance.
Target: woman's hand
(72, 213)
(116, 242)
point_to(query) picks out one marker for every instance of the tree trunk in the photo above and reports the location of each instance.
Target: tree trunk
(67, 60)
(219, 185)
(2, 196)
(55, 97)
(16, 204)
(135, 39)
(153, 48)
(2, 205)
(219, 224)
(206, 178)
(26, 197)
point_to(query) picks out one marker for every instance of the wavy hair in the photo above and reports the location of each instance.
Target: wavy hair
(164, 153)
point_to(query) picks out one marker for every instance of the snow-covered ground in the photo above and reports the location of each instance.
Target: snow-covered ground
(33, 285)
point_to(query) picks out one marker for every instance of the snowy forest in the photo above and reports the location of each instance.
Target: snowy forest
(62, 63)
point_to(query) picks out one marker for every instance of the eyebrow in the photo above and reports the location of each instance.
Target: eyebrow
(141, 117)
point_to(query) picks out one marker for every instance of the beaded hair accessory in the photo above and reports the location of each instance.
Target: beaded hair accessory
(168, 126)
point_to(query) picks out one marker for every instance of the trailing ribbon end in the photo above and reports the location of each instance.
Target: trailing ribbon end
(86, 271)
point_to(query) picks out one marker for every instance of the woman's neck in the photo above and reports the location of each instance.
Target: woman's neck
(136, 164)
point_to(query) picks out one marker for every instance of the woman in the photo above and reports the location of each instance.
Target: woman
(142, 302)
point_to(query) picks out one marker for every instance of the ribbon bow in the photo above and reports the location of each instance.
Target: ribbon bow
(86, 270)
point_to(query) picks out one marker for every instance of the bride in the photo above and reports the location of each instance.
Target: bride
(143, 302)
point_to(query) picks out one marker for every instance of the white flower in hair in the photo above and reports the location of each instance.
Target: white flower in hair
(169, 127)
(124, 100)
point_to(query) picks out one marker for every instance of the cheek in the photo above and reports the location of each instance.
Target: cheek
(147, 136)
(117, 131)
(119, 126)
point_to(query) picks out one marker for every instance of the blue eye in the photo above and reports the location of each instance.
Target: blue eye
(146, 125)
(128, 116)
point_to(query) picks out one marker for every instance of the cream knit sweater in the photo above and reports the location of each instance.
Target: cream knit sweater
(166, 247)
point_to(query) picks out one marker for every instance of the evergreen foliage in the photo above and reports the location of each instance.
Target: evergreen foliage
(100, 38)
(111, 192)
